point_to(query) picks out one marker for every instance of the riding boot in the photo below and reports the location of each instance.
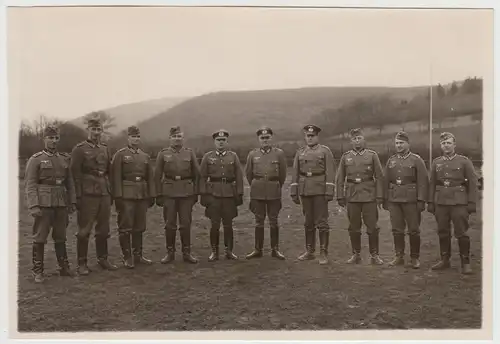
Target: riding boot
(373, 245)
(323, 246)
(101, 245)
(356, 248)
(214, 244)
(229, 242)
(275, 252)
(444, 248)
(124, 239)
(399, 250)
(62, 259)
(415, 250)
(82, 248)
(310, 245)
(464, 247)
(137, 249)
(259, 244)
(38, 253)
(186, 247)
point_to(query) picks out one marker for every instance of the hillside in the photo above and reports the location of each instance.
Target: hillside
(241, 112)
(131, 114)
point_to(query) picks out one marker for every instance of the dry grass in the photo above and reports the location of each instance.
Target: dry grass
(263, 294)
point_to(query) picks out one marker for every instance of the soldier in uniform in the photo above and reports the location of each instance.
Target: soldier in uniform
(90, 165)
(133, 192)
(360, 187)
(177, 187)
(50, 196)
(266, 174)
(405, 188)
(221, 188)
(313, 176)
(452, 198)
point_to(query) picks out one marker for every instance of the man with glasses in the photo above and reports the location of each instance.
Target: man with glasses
(133, 192)
(90, 165)
(221, 188)
(313, 176)
(360, 187)
(452, 198)
(266, 174)
(50, 194)
(177, 186)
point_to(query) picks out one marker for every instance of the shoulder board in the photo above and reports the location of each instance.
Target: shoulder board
(325, 147)
(371, 151)
(37, 154)
(67, 155)
(436, 159)
(462, 156)
(103, 145)
(345, 153)
(121, 149)
(255, 150)
(188, 149)
(208, 153)
(392, 156)
(416, 155)
(81, 143)
(277, 149)
(164, 149)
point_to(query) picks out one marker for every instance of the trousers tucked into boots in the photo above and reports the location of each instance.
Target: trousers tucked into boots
(310, 245)
(62, 259)
(356, 248)
(373, 245)
(399, 250)
(259, 243)
(170, 236)
(186, 247)
(101, 246)
(124, 239)
(37, 261)
(137, 249)
(82, 247)
(464, 247)
(324, 238)
(445, 253)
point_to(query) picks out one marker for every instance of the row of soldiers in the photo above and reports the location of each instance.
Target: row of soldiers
(89, 181)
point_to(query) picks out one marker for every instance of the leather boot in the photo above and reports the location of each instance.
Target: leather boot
(415, 250)
(170, 246)
(186, 247)
(444, 248)
(464, 247)
(82, 247)
(373, 246)
(101, 244)
(124, 239)
(310, 249)
(323, 247)
(137, 249)
(356, 248)
(275, 251)
(38, 253)
(259, 244)
(214, 244)
(62, 259)
(399, 250)
(228, 243)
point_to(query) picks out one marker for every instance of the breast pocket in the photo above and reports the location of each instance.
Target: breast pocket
(185, 165)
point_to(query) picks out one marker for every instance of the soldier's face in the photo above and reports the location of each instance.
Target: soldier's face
(448, 146)
(312, 139)
(95, 132)
(220, 142)
(177, 139)
(358, 142)
(401, 146)
(134, 140)
(265, 140)
(51, 142)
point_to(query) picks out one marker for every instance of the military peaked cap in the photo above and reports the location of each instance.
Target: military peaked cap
(264, 131)
(356, 132)
(311, 128)
(403, 136)
(220, 133)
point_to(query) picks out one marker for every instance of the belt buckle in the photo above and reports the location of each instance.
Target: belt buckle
(224, 180)
(398, 181)
(59, 181)
(177, 177)
(138, 179)
(357, 180)
(309, 174)
(446, 183)
(100, 173)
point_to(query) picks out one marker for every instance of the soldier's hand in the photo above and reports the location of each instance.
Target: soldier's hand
(420, 206)
(341, 202)
(471, 208)
(385, 205)
(328, 198)
(159, 201)
(35, 212)
(380, 203)
(151, 202)
(296, 200)
(239, 200)
(431, 208)
(71, 208)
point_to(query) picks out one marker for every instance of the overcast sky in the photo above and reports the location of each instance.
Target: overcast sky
(66, 62)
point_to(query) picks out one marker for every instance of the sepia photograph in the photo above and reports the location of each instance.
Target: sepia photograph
(185, 169)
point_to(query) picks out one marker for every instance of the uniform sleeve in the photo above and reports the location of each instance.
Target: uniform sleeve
(379, 176)
(283, 168)
(31, 181)
(422, 180)
(386, 180)
(294, 185)
(158, 173)
(432, 183)
(239, 175)
(249, 168)
(203, 174)
(70, 186)
(340, 178)
(196, 171)
(151, 179)
(116, 175)
(76, 169)
(471, 176)
(330, 172)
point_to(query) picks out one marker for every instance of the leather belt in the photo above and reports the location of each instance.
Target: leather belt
(221, 179)
(451, 183)
(271, 179)
(134, 179)
(312, 174)
(359, 180)
(96, 173)
(400, 182)
(178, 177)
(51, 182)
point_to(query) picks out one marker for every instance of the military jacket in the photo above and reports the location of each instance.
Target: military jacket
(90, 166)
(266, 173)
(313, 172)
(406, 179)
(453, 181)
(221, 174)
(177, 173)
(48, 180)
(360, 176)
(132, 174)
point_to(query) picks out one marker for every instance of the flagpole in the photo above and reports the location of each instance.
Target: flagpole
(430, 118)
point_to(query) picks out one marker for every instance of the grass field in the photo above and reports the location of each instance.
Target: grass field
(262, 294)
